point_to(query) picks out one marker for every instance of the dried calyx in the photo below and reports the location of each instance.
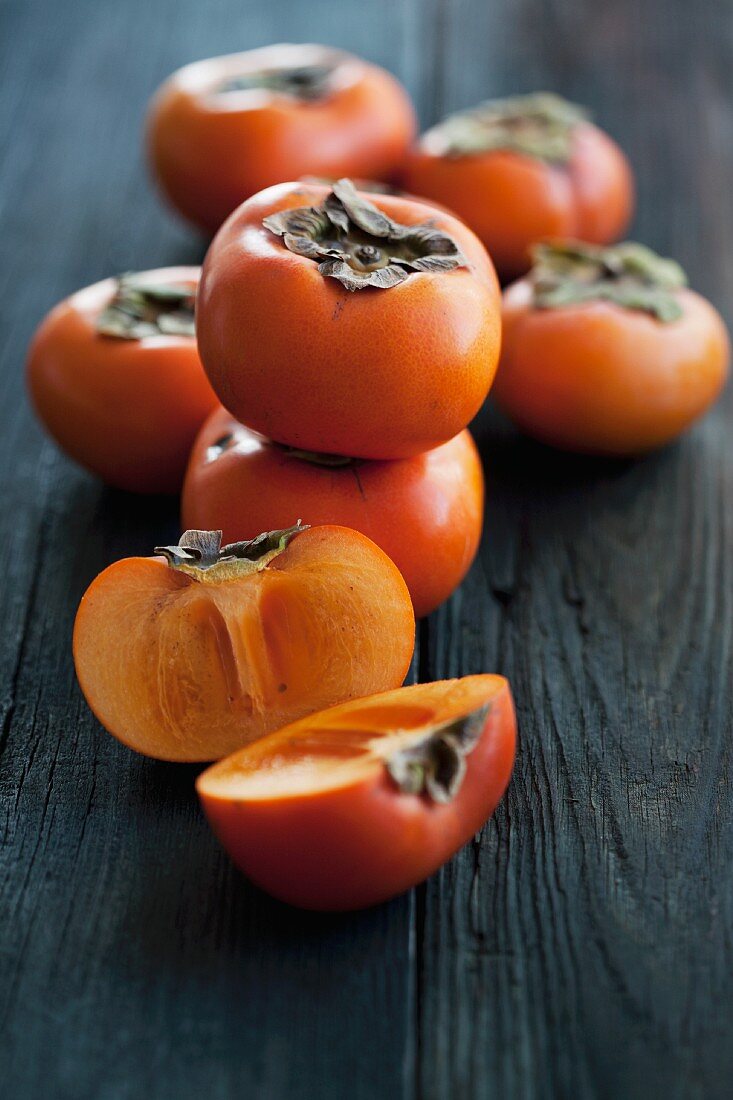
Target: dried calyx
(316, 458)
(225, 443)
(201, 555)
(435, 765)
(539, 125)
(141, 308)
(354, 242)
(629, 275)
(308, 82)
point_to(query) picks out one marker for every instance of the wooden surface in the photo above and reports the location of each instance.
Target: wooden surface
(582, 945)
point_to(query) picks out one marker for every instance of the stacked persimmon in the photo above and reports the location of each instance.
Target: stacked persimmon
(351, 339)
(316, 419)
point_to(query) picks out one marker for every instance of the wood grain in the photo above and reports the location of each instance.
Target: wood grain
(582, 944)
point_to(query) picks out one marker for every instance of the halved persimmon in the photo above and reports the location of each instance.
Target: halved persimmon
(351, 806)
(192, 654)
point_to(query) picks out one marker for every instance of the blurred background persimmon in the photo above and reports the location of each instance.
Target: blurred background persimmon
(523, 169)
(222, 129)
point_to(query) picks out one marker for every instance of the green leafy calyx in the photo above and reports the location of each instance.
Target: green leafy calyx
(629, 275)
(539, 125)
(141, 308)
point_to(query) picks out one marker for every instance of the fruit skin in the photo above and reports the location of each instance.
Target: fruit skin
(372, 373)
(208, 157)
(600, 379)
(360, 844)
(128, 410)
(425, 512)
(511, 201)
(189, 671)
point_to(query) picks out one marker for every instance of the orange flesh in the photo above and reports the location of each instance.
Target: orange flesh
(345, 745)
(184, 670)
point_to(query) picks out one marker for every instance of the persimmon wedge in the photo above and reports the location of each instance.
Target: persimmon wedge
(358, 803)
(190, 655)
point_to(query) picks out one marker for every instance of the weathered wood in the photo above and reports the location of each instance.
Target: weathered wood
(134, 961)
(582, 944)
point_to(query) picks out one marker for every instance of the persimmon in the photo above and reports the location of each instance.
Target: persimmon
(522, 169)
(358, 803)
(115, 376)
(222, 129)
(425, 511)
(333, 322)
(195, 652)
(606, 351)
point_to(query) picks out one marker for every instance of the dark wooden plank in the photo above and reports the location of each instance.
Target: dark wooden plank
(582, 945)
(133, 960)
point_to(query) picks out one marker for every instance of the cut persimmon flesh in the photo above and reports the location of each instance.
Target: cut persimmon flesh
(192, 657)
(359, 802)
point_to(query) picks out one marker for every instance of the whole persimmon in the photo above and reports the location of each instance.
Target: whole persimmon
(191, 654)
(333, 323)
(522, 169)
(353, 805)
(425, 512)
(606, 351)
(222, 129)
(115, 376)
